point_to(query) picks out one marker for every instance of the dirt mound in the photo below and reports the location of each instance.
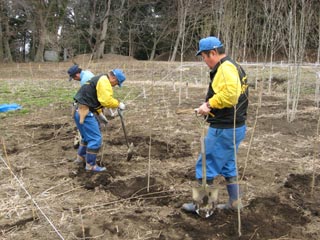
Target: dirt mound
(264, 218)
(173, 148)
(298, 188)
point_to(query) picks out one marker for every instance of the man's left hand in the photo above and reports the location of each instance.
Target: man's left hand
(204, 109)
(102, 118)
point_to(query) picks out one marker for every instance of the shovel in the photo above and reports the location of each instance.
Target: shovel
(130, 146)
(205, 197)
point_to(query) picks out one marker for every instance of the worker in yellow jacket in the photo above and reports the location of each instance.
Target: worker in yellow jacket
(225, 109)
(91, 98)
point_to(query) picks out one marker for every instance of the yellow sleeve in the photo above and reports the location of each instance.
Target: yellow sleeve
(226, 86)
(105, 93)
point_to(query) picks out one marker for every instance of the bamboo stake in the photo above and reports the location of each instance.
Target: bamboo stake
(187, 90)
(237, 170)
(252, 134)
(150, 136)
(144, 92)
(82, 226)
(315, 151)
(250, 144)
(317, 90)
(5, 152)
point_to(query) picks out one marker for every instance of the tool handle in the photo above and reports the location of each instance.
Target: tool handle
(196, 110)
(123, 126)
(204, 159)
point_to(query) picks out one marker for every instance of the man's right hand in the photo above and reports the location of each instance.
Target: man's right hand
(122, 106)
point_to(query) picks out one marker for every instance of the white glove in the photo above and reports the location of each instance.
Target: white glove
(122, 106)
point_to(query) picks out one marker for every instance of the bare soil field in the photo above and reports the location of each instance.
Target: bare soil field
(276, 177)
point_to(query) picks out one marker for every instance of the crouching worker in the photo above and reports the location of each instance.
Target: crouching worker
(225, 108)
(90, 100)
(76, 73)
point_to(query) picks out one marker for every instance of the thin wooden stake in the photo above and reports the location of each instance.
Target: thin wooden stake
(250, 143)
(5, 152)
(150, 138)
(315, 152)
(82, 226)
(236, 163)
(187, 90)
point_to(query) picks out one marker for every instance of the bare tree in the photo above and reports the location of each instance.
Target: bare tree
(318, 55)
(102, 34)
(275, 22)
(1, 35)
(183, 7)
(144, 28)
(6, 31)
(317, 91)
(42, 12)
(299, 26)
(244, 55)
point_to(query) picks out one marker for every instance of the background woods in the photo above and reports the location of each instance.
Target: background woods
(262, 30)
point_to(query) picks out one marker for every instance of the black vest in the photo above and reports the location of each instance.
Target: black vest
(224, 118)
(87, 94)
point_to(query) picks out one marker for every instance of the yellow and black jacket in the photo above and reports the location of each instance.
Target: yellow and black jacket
(96, 94)
(228, 88)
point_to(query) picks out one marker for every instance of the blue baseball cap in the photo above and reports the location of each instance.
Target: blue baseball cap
(119, 75)
(72, 71)
(208, 43)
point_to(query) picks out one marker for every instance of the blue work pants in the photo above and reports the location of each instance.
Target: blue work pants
(90, 132)
(220, 156)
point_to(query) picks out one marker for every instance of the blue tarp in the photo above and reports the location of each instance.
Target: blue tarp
(9, 107)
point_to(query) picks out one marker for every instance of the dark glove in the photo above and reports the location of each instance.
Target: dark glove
(102, 118)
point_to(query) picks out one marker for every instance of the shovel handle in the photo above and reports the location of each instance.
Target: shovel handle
(123, 127)
(204, 159)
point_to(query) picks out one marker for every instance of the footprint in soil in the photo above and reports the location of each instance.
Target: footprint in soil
(91, 180)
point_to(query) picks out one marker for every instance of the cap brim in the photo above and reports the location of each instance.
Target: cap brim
(199, 52)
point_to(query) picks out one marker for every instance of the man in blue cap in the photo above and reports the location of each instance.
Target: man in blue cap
(225, 109)
(78, 74)
(91, 98)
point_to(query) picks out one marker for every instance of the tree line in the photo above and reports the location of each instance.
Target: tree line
(251, 30)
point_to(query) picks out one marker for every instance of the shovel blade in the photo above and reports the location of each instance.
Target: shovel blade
(205, 199)
(130, 152)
